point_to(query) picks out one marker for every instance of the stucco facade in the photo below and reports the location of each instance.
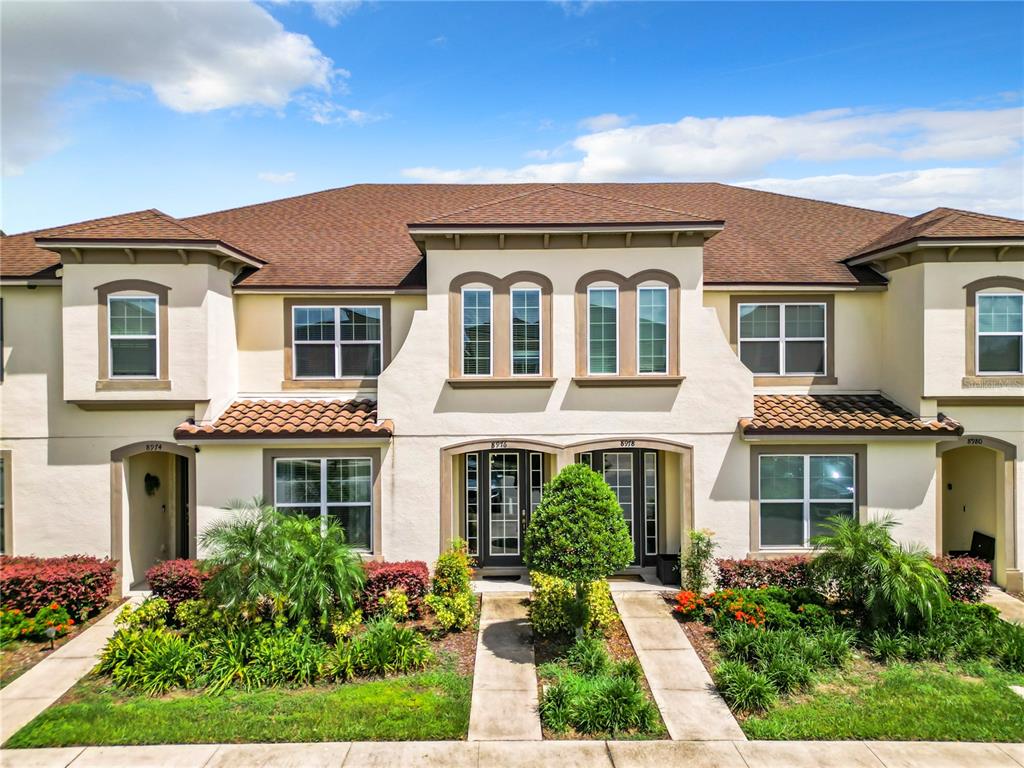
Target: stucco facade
(96, 468)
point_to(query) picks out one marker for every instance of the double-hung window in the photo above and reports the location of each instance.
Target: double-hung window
(526, 331)
(1000, 324)
(477, 321)
(602, 331)
(337, 489)
(783, 339)
(652, 329)
(133, 336)
(799, 492)
(337, 342)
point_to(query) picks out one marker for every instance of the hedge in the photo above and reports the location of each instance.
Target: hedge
(966, 577)
(410, 575)
(177, 581)
(78, 583)
(787, 572)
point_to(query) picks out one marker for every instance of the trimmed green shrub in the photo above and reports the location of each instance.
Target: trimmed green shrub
(451, 598)
(744, 689)
(578, 533)
(695, 562)
(453, 613)
(550, 605)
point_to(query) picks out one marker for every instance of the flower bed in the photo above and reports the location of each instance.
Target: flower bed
(80, 584)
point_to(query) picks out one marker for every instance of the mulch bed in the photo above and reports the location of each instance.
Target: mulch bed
(19, 656)
(460, 645)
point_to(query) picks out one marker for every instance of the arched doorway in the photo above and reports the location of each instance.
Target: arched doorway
(152, 507)
(976, 503)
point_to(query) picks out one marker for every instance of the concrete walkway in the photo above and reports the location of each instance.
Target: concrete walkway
(682, 688)
(1009, 607)
(51, 678)
(541, 754)
(505, 678)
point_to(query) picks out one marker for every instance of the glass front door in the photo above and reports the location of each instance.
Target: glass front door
(501, 489)
(633, 477)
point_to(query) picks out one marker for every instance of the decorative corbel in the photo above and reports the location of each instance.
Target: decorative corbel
(583, 239)
(184, 255)
(458, 242)
(1002, 252)
(629, 239)
(131, 255)
(951, 252)
(501, 241)
(77, 254)
(547, 239)
(675, 238)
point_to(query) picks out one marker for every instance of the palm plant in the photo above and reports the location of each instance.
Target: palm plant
(886, 583)
(242, 554)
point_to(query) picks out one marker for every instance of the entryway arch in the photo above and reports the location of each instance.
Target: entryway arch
(152, 507)
(977, 499)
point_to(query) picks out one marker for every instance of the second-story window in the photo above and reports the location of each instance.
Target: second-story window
(602, 330)
(783, 339)
(133, 336)
(1000, 333)
(526, 331)
(337, 342)
(476, 331)
(652, 329)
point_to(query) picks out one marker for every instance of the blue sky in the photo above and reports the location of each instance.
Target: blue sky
(192, 107)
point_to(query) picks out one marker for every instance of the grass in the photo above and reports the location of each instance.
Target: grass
(919, 701)
(431, 705)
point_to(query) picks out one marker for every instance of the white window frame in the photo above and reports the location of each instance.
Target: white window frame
(511, 329)
(806, 500)
(668, 327)
(155, 336)
(462, 333)
(323, 492)
(782, 338)
(618, 326)
(979, 334)
(338, 343)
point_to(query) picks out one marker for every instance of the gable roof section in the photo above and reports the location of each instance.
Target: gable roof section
(944, 224)
(291, 418)
(838, 415)
(558, 205)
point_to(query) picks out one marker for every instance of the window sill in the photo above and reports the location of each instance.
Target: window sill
(628, 381)
(504, 382)
(133, 385)
(776, 554)
(792, 381)
(986, 382)
(329, 384)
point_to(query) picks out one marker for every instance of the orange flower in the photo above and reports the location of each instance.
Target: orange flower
(70, 622)
(54, 606)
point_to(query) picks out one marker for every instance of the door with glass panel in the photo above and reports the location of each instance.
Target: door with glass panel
(634, 477)
(501, 489)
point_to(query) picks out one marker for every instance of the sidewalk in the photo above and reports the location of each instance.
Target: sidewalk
(542, 754)
(52, 677)
(682, 688)
(1009, 607)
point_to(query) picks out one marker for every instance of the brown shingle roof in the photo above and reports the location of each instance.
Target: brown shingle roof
(560, 205)
(838, 415)
(944, 224)
(291, 418)
(150, 224)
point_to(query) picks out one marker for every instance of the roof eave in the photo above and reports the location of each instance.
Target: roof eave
(541, 229)
(930, 242)
(788, 435)
(142, 243)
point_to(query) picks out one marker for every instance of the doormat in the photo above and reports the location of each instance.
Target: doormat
(507, 577)
(626, 577)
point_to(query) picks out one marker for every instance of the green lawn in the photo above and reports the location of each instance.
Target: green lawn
(427, 706)
(919, 701)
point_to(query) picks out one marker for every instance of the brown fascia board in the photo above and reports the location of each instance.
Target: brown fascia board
(915, 241)
(70, 242)
(607, 226)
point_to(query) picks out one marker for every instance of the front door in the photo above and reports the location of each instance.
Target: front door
(633, 476)
(502, 489)
(182, 534)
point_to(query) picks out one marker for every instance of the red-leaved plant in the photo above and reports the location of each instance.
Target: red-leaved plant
(80, 584)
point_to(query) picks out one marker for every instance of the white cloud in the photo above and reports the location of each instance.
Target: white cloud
(327, 112)
(607, 122)
(812, 144)
(331, 12)
(277, 178)
(195, 57)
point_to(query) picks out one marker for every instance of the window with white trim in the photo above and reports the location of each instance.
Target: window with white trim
(337, 342)
(800, 492)
(1000, 324)
(783, 339)
(477, 321)
(132, 336)
(602, 330)
(526, 331)
(339, 489)
(652, 329)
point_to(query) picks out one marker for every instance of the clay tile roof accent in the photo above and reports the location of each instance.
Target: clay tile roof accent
(838, 415)
(291, 418)
(945, 223)
(558, 205)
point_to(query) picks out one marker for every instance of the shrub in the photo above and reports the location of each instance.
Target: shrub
(744, 689)
(887, 646)
(550, 605)
(343, 627)
(578, 533)
(196, 617)
(150, 660)
(695, 562)
(291, 657)
(151, 613)
(16, 625)
(177, 581)
(788, 672)
(385, 648)
(394, 604)
(836, 646)
(588, 656)
(452, 571)
(453, 613)
(79, 583)
(228, 654)
(966, 577)
(786, 572)
(689, 606)
(1010, 647)
(884, 583)
(411, 575)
